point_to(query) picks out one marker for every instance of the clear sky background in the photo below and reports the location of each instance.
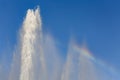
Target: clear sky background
(95, 21)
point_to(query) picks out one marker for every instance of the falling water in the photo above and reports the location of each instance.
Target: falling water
(39, 57)
(30, 38)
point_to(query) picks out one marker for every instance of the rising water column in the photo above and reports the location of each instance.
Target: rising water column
(30, 34)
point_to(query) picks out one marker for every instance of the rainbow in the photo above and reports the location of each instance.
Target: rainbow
(84, 51)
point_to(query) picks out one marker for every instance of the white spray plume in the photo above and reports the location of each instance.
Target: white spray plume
(37, 56)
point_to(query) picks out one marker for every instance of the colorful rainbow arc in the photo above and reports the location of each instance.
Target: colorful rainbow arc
(85, 52)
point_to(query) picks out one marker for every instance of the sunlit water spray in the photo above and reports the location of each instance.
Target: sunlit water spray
(39, 57)
(31, 36)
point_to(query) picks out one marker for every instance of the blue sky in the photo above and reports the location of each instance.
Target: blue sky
(95, 21)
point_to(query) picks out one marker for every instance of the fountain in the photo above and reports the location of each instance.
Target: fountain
(37, 57)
